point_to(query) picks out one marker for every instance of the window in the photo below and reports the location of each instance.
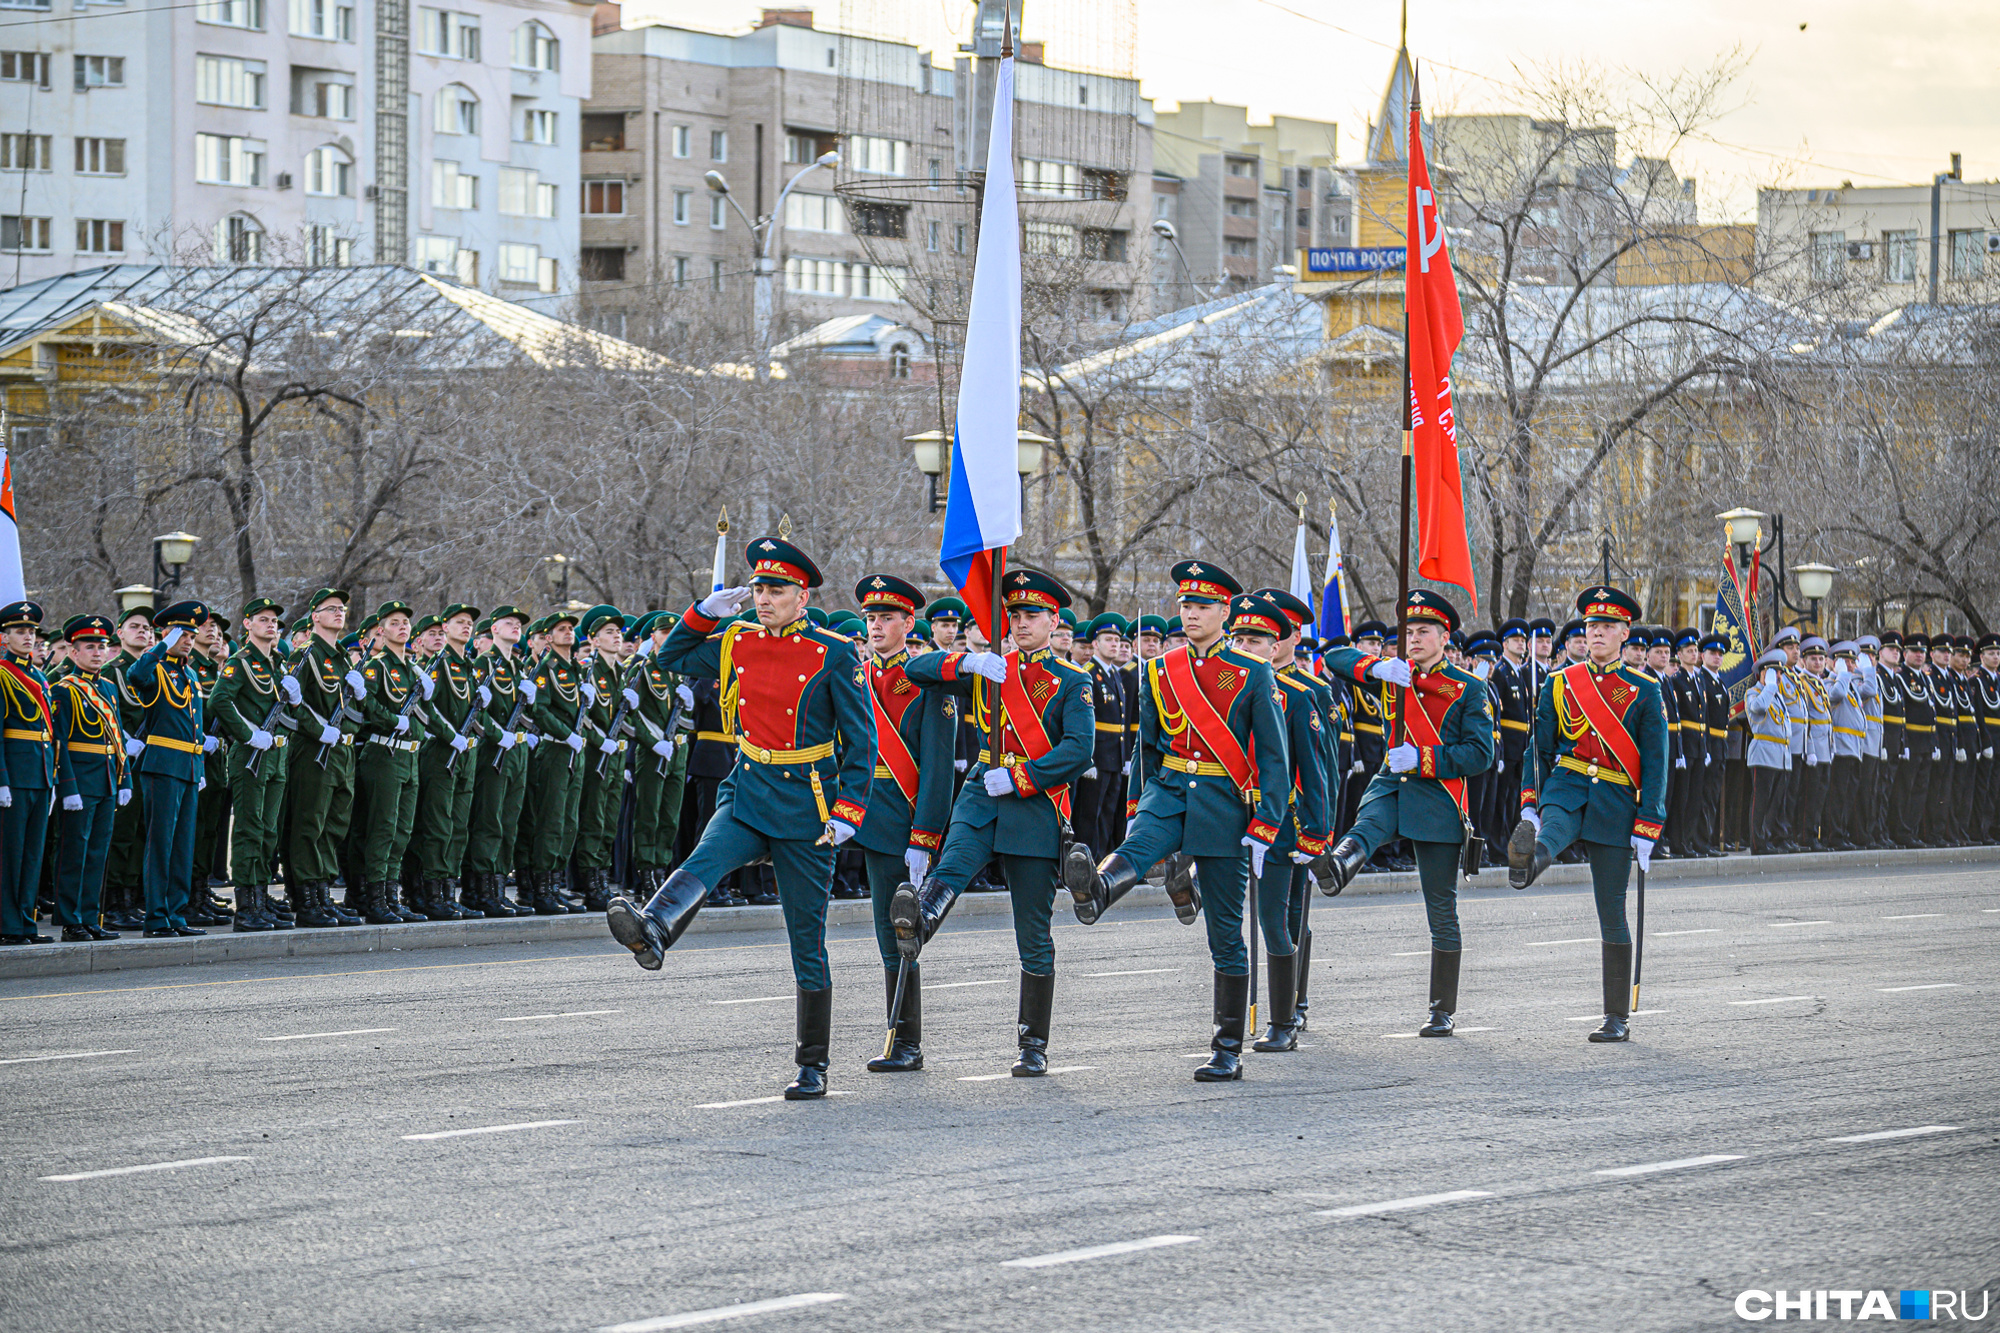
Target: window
(335, 101)
(604, 132)
(683, 141)
(99, 72)
(891, 220)
(456, 111)
(325, 19)
(899, 362)
(451, 187)
(879, 157)
(24, 67)
(683, 203)
(25, 4)
(718, 145)
(441, 32)
(834, 277)
(1240, 247)
(934, 173)
(1240, 208)
(231, 13)
(814, 212)
(239, 240)
(467, 267)
(1302, 219)
(24, 152)
(1968, 253)
(534, 47)
(803, 146)
(604, 263)
(99, 236)
(1829, 255)
(715, 275)
(718, 214)
(519, 263)
(100, 157)
(1102, 244)
(959, 233)
(227, 159)
(522, 194)
(1242, 166)
(538, 126)
(932, 230)
(436, 254)
(227, 81)
(329, 171)
(680, 271)
(18, 234)
(1050, 238)
(604, 198)
(1901, 248)
(325, 246)
(1065, 178)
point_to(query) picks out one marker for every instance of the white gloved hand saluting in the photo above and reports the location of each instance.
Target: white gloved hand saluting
(173, 636)
(1403, 758)
(1392, 669)
(999, 782)
(990, 665)
(723, 602)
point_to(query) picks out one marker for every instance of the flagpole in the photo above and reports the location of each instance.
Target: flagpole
(1403, 548)
(993, 723)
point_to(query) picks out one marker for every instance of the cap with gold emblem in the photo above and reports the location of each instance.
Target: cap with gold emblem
(181, 615)
(1200, 581)
(1605, 602)
(19, 615)
(323, 596)
(88, 629)
(597, 617)
(1423, 606)
(259, 605)
(775, 560)
(886, 592)
(1254, 613)
(1033, 589)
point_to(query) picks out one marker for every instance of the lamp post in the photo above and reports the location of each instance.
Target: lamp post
(763, 236)
(1166, 232)
(555, 568)
(932, 459)
(134, 596)
(1815, 582)
(1744, 528)
(172, 554)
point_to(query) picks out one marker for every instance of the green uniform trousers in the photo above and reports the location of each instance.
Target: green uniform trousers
(495, 823)
(256, 802)
(321, 806)
(444, 808)
(1225, 882)
(1031, 885)
(1610, 869)
(86, 841)
(170, 820)
(385, 809)
(598, 803)
(656, 809)
(555, 798)
(804, 870)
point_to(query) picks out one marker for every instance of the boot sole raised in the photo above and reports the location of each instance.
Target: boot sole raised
(1521, 846)
(907, 917)
(629, 928)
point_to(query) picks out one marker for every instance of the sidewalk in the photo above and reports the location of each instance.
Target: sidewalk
(223, 946)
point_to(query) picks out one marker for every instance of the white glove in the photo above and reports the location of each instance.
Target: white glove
(124, 796)
(1707, 759)
(1090, 772)
(1770, 674)
(723, 602)
(329, 735)
(1988, 752)
(589, 694)
(290, 685)
(1840, 666)
(1300, 858)
(527, 689)
(664, 749)
(1533, 816)
(1680, 761)
(575, 741)
(1403, 758)
(357, 684)
(402, 723)
(1936, 755)
(134, 748)
(460, 744)
(260, 739)
(1127, 770)
(609, 745)
(838, 831)
(1883, 754)
(919, 862)
(506, 741)
(1392, 669)
(485, 696)
(958, 764)
(426, 684)
(1257, 853)
(209, 744)
(69, 802)
(1359, 767)
(631, 698)
(685, 693)
(1642, 848)
(999, 782)
(990, 665)
(531, 739)
(173, 636)
(1812, 760)
(1961, 756)
(1500, 766)
(201, 784)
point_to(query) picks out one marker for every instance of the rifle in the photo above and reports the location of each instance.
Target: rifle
(345, 713)
(513, 723)
(277, 717)
(673, 722)
(479, 674)
(620, 727)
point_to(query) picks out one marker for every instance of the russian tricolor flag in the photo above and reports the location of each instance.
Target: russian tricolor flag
(13, 584)
(982, 513)
(1333, 614)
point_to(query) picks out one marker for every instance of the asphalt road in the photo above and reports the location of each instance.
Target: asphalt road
(319, 1110)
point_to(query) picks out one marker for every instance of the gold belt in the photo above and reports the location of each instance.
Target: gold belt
(1006, 760)
(1775, 740)
(168, 742)
(1510, 724)
(722, 736)
(1593, 771)
(1198, 766)
(79, 747)
(1720, 733)
(1371, 728)
(758, 755)
(1850, 731)
(1118, 727)
(1926, 730)
(17, 734)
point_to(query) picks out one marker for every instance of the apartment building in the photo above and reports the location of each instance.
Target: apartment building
(295, 131)
(1873, 245)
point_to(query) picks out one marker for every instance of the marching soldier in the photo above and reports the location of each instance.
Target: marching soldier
(448, 764)
(1599, 776)
(1921, 760)
(795, 696)
(1013, 806)
(1210, 782)
(910, 797)
(170, 769)
(253, 692)
(91, 777)
(499, 781)
(555, 781)
(1420, 791)
(602, 788)
(27, 772)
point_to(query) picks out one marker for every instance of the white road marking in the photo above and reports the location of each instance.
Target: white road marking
(487, 1129)
(1142, 972)
(989, 1078)
(761, 999)
(1678, 1164)
(1412, 1034)
(1596, 1018)
(1404, 1205)
(1781, 925)
(1912, 916)
(574, 1013)
(1776, 999)
(1414, 953)
(755, 1101)
(957, 985)
(1936, 985)
(1099, 1251)
(1881, 1134)
(1588, 939)
(721, 1312)
(73, 1055)
(151, 1166)
(1669, 934)
(350, 1032)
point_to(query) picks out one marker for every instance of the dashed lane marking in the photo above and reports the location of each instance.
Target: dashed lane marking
(990, 1078)
(754, 1101)
(722, 1312)
(1455, 1030)
(1140, 972)
(73, 1055)
(1678, 1164)
(1598, 1018)
(1669, 934)
(1099, 1251)
(487, 1129)
(1782, 925)
(150, 1166)
(1404, 1205)
(573, 1013)
(1775, 999)
(348, 1032)
(1536, 944)
(1935, 985)
(960, 985)
(1882, 1134)
(760, 999)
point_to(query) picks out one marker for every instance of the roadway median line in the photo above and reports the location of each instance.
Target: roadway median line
(73, 1055)
(1678, 1164)
(305, 1036)
(1882, 1134)
(1098, 1251)
(150, 1166)
(722, 1312)
(1404, 1205)
(487, 1129)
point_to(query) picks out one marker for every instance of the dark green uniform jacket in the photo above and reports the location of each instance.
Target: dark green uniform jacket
(1572, 768)
(1177, 773)
(1457, 703)
(925, 726)
(165, 687)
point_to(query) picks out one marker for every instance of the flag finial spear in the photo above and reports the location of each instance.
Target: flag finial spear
(785, 528)
(1007, 32)
(1301, 498)
(722, 522)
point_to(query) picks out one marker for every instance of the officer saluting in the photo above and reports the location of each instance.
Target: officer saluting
(170, 769)
(795, 698)
(27, 773)
(1599, 775)
(92, 780)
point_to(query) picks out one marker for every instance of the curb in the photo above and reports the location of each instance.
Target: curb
(50, 960)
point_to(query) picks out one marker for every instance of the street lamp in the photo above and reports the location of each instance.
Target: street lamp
(929, 451)
(1165, 231)
(1743, 527)
(1815, 582)
(763, 236)
(132, 597)
(171, 555)
(555, 568)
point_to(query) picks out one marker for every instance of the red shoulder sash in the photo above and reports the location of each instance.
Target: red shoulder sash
(891, 750)
(1018, 711)
(34, 688)
(1422, 730)
(1608, 722)
(1208, 722)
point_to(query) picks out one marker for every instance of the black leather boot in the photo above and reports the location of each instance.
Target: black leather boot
(596, 889)
(1094, 888)
(1305, 974)
(905, 1051)
(249, 914)
(1184, 889)
(1337, 869)
(278, 920)
(1617, 994)
(452, 896)
(427, 901)
(1038, 999)
(1232, 1004)
(1444, 992)
(559, 891)
(916, 914)
(197, 913)
(815, 1028)
(392, 892)
(651, 930)
(1521, 875)
(375, 898)
(1283, 1034)
(306, 911)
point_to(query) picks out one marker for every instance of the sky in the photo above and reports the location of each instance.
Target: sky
(1830, 91)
